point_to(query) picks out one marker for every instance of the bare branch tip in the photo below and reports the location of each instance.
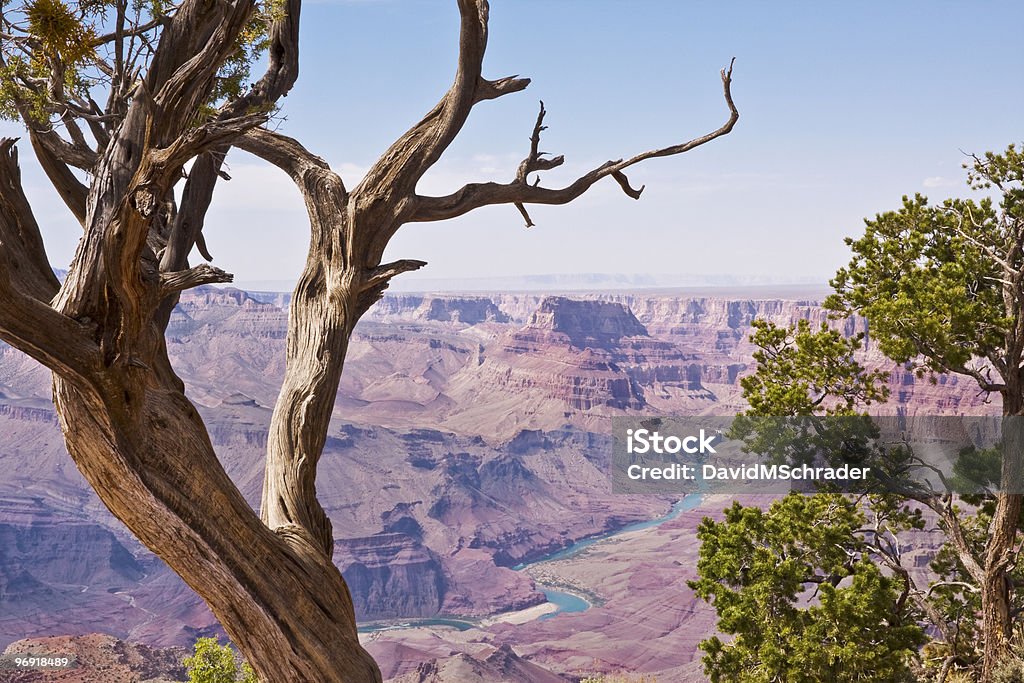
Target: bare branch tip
(203, 274)
(379, 276)
(623, 182)
(525, 213)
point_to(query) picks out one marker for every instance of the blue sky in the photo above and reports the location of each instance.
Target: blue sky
(844, 108)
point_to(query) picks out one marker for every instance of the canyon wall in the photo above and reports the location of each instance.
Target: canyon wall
(469, 434)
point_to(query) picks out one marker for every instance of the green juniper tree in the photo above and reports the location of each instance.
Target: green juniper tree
(807, 588)
(797, 590)
(941, 287)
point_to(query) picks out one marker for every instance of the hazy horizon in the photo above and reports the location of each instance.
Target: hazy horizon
(844, 109)
(556, 283)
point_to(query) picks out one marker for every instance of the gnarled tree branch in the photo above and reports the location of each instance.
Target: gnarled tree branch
(27, 322)
(349, 232)
(34, 328)
(394, 176)
(322, 313)
(23, 244)
(491, 90)
(186, 229)
(520, 192)
(284, 152)
(378, 279)
(70, 188)
(203, 274)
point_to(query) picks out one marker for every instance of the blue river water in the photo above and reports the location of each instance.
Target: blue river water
(567, 603)
(686, 503)
(376, 626)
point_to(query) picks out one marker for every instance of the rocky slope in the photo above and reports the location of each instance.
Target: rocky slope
(98, 658)
(502, 665)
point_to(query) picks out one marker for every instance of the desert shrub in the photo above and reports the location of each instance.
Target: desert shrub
(1010, 670)
(212, 662)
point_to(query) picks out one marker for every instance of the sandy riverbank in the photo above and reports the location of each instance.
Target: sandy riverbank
(521, 616)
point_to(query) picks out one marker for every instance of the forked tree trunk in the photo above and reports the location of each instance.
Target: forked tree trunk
(136, 438)
(143, 447)
(281, 600)
(323, 311)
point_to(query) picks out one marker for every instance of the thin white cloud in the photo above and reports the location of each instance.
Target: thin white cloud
(351, 174)
(938, 181)
(257, 186)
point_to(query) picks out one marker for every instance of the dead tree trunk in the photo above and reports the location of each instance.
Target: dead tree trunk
(281, 600)
(137, 439)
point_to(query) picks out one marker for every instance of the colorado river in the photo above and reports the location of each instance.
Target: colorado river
(566, 602)
(571, 602)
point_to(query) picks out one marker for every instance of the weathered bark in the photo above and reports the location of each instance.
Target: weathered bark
(990, 573)
(130, 429)
(349, 232)
(280, 599)
(322, 315)
(63, 180)
(996, 589)
(988, 568)
(19, 232)
(997, 614)
(128, 426)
